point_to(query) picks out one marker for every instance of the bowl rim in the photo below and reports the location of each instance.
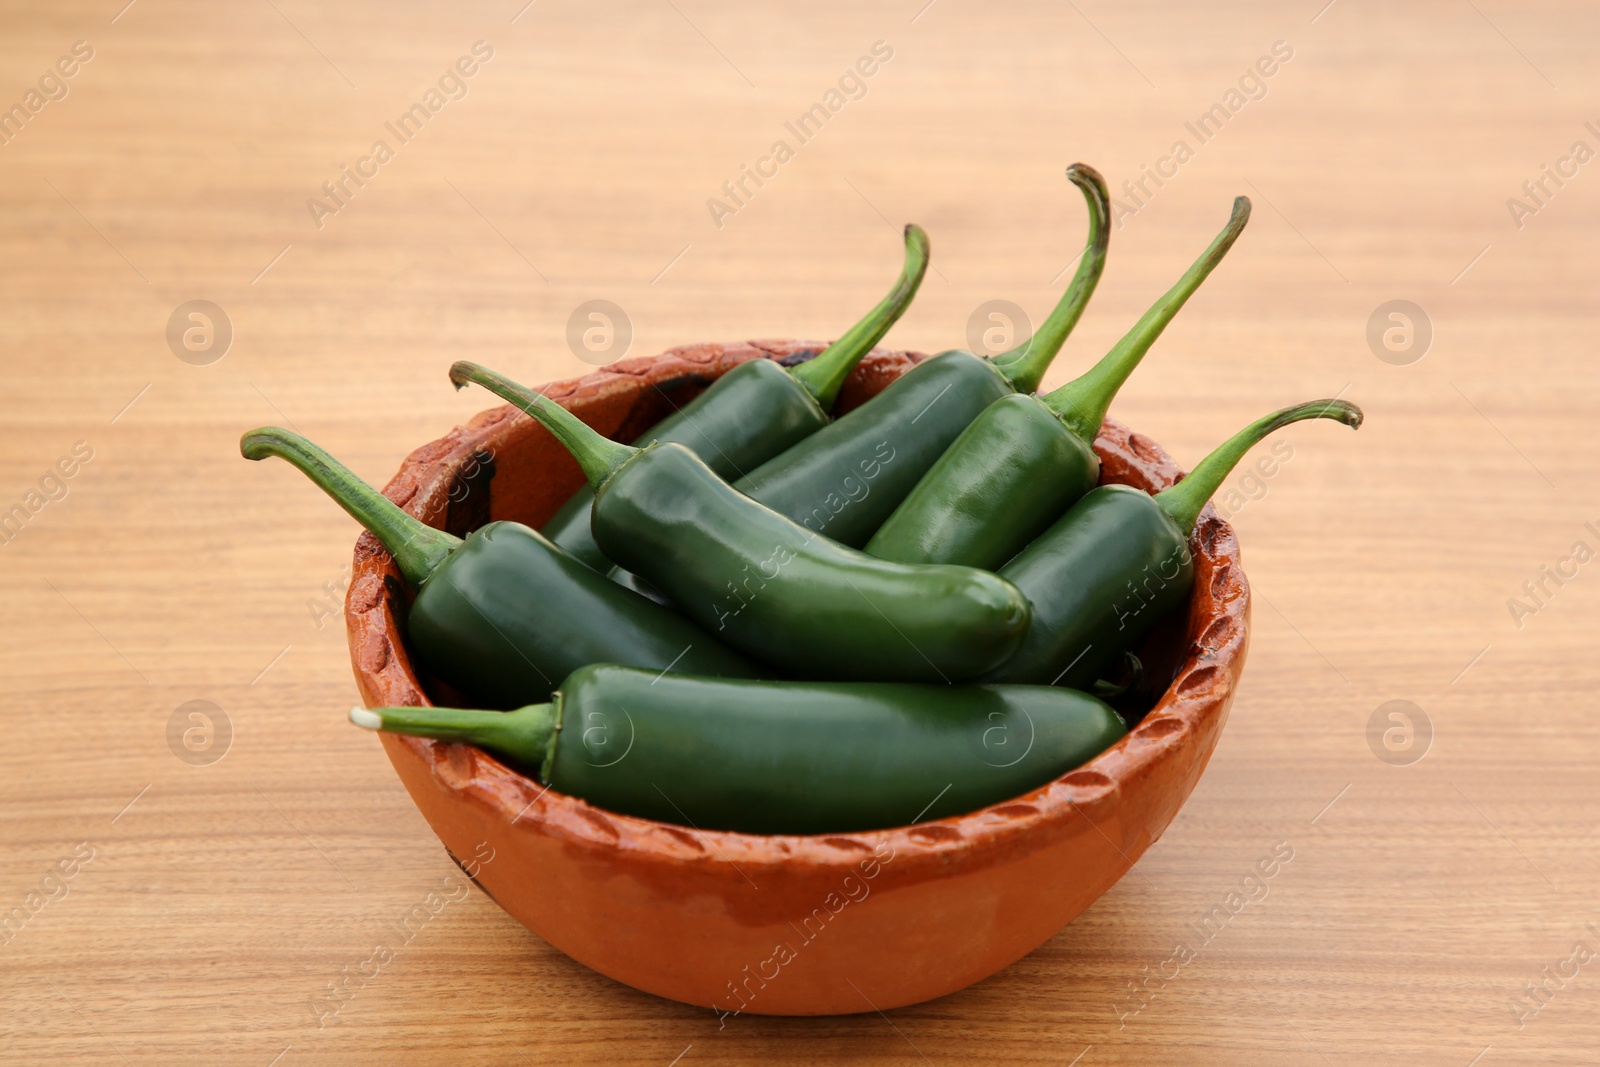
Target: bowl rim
(1201, 690)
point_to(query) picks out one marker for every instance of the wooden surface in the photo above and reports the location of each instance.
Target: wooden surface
(223, 898)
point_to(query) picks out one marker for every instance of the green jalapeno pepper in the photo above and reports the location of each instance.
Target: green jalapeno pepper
(780, 757)
(1026, 459)
(845, 480)
(1118, 560)
(504, 615)
(758, 409)
(773, 589)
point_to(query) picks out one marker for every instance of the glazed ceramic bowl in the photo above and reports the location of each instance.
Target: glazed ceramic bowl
(784, 925)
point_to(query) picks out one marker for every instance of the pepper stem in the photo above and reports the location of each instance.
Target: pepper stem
(523, 737)
(824, 375)
(1024, 366)
(417, 548)
(1082, 403)
(1183, 502)
(597, 456)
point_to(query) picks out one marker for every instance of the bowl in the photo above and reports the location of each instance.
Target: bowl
(783, 925)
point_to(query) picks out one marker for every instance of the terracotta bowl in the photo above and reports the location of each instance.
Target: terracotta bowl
(784, 925)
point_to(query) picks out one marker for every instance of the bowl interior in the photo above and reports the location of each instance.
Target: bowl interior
(501, 465)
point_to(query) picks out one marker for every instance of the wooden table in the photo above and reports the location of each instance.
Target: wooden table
(221, 895)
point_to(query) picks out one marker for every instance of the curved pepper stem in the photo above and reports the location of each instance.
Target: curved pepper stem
(1183, 502)
(598, 456)
(524, 737)
(417, 548)
(1082, 403)
(824, 375)
(1024, 366)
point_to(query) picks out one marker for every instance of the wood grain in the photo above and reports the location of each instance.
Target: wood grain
(221, 899)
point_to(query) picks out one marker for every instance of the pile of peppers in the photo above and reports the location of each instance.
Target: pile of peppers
(717, 632)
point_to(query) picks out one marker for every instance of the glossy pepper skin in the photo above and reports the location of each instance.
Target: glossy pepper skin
(510, 613)
(772, 589)
(1025, 459)
(1098, 580)
(758, 409)
(780, 757)
(1106, 572)
(845, 480)
(505, 615)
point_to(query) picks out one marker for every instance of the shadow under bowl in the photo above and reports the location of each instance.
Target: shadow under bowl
(783, 925)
